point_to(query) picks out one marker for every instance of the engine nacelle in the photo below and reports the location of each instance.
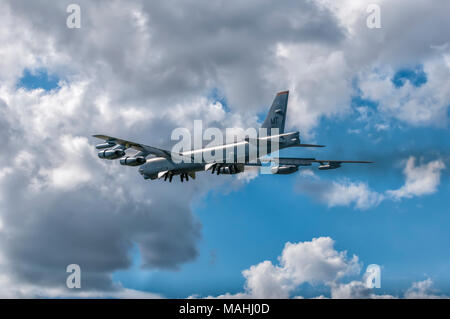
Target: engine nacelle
(329, 166)
(284, 169)
(111, 154)
(132, 161)
(105, 145)
(232, 169)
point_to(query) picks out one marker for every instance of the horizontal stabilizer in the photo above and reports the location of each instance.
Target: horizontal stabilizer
(307, 145)
(332, 161)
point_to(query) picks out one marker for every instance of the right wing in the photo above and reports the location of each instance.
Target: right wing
(303, 161)
(324, 164)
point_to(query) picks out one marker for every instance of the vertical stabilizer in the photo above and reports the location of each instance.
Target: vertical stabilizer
(277, 113)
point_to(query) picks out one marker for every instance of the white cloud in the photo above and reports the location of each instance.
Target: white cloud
(345, 193)
(423, 290)
(322, 83)
(70, 169)
(249, 174)
(322, 76)
(355, 290)
(426, 105)
(420, 180)
(314, 262)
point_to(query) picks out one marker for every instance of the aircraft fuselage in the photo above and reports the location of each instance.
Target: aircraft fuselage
(243, 152)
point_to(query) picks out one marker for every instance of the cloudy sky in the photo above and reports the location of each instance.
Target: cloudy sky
(139, 69)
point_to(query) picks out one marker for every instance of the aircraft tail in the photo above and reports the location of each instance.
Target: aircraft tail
(276, 117)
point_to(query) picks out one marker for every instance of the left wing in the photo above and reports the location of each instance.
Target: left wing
(145, 149)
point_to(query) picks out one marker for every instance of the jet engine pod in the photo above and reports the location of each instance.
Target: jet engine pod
(329, 166)
(105, 145)
(132, 161)
(284, 169)
(230, 169)
(111, 154)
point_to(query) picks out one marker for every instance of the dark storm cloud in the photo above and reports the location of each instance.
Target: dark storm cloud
(47, 229)
(233, 42)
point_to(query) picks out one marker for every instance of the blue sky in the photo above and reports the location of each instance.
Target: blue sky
(34, 79)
